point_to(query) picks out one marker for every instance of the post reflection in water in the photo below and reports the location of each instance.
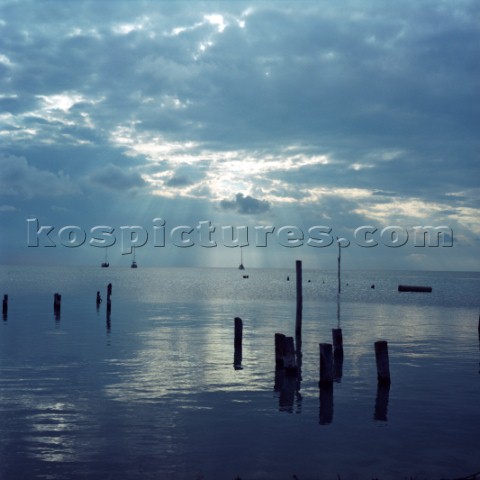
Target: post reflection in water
(109, 323)
(381, 403)
(338, 364)
(326, 404)
(298, 385)
(287, 385)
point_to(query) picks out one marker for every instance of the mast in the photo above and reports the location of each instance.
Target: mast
(241, 267)
(339, 284)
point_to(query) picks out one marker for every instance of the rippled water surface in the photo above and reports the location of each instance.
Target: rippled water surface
(151, 392)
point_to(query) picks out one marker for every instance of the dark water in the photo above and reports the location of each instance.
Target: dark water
(152, 393)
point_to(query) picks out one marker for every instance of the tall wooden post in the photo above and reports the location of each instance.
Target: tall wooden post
(298, 323)
(339, 268)
(383, 365)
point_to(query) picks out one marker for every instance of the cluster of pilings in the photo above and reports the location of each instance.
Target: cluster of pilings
(288, 362)
(57, 305)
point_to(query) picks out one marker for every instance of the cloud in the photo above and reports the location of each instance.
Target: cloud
(19, 179)
(363, 107)
(246, 205)
(178, 181)
(116, 178)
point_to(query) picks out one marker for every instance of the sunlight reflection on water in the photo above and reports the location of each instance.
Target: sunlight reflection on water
(157, 395)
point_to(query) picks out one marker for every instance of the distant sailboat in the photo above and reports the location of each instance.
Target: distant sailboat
(241, 267)
(134, 263)
(105, 264)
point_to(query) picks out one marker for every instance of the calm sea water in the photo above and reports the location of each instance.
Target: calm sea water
(152, 392)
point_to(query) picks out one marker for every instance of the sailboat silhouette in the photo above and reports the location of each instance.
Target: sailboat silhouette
(241, 267)
(105, 264)
(134, 263)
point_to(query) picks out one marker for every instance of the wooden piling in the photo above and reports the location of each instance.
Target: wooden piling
(279, 349)
(57, 303)
(238, 332)
(326, 364)
(109, 301)
(289, 362)
(298, 323)
(5, 305)
(237, 355)
(383, 366)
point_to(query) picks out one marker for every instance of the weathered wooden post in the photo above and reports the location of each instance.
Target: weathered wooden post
(237, 355)
(57, 303)
(289, 358)
(279, 349)
(298, 323)
(238, 331)
(326, 364)
(5, 305)
(109, 301)
(383, 365)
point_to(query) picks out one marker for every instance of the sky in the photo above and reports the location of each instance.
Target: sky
(308, 120)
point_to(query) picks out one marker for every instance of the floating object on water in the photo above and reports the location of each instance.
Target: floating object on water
(5, 305)
(373, 286)
(245, 276)
(414, 288)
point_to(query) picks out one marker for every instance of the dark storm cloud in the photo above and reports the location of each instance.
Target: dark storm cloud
(245, 205)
